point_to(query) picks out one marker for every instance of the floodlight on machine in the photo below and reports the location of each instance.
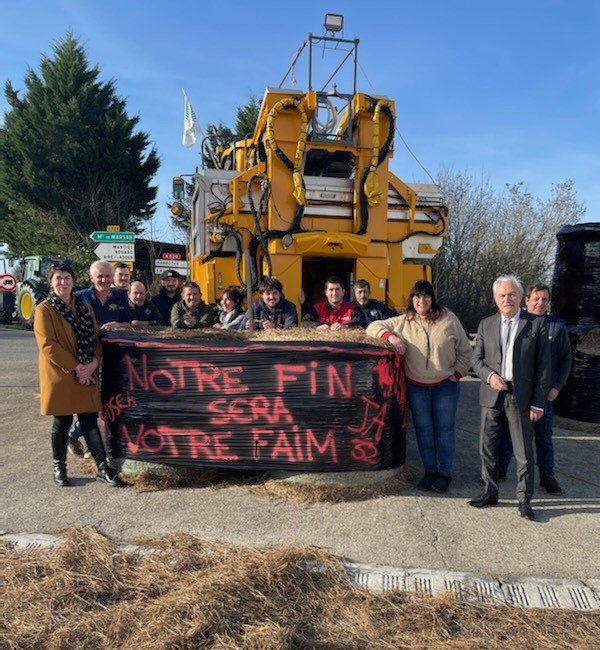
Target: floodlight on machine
(334, 22)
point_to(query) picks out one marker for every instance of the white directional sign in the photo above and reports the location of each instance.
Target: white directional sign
(176, 265)
(115, 252)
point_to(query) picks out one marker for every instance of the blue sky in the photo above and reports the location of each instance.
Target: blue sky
(505, 89)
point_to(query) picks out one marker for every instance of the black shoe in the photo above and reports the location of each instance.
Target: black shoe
(60, 474)
(107, 475)
(441, 483)
(525, 510)
(484, 499)
(551, 485)
(74, 446)
(427, 481)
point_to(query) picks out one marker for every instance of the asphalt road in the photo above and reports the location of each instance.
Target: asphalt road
(411, 529)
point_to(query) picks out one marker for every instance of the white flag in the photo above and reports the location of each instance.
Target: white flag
(190, 124)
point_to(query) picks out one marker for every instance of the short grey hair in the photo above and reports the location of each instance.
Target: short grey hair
(99, 264)
(508, 278)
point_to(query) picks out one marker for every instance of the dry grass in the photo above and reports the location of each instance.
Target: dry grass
(197, 594)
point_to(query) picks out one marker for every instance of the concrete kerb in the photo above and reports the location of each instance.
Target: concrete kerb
(465, 587)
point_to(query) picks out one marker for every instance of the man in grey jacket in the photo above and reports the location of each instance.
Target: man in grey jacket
(512, 359)
(537, 302)
(191, 312)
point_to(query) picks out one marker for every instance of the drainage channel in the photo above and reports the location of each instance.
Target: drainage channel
(543, 593)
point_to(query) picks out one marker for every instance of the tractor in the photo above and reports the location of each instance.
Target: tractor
(33, 287)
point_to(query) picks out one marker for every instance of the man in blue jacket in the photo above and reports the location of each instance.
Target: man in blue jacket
(272, 311)
(537, 302)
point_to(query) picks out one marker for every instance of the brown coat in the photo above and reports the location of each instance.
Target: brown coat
(61, 393)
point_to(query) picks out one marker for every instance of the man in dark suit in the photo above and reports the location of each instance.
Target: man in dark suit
(512, 359)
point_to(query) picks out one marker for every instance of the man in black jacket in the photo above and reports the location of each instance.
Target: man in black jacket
(366, 309)
(169, 295)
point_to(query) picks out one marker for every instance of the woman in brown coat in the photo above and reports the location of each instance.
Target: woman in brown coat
(67, 337)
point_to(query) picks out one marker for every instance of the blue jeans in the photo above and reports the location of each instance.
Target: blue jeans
(543, 446)
(433, 411)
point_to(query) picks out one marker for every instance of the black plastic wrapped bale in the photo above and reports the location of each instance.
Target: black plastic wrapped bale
(576, 299)
(264, 405)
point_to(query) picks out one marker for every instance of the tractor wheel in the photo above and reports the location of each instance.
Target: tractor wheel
(27, 301)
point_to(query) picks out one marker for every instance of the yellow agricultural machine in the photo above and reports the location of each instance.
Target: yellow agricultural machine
(310, 194)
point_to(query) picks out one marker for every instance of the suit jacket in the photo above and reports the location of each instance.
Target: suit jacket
(531, 360)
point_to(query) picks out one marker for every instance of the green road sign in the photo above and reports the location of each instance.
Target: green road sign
(105, 236)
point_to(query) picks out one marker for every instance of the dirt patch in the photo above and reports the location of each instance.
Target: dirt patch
(192, 593)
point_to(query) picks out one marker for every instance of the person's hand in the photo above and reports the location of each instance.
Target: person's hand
(497, 383)
(218, 326)
(553, 394)
(398, 343)
(86, 370)
(322, 326)
(189, 320)
(302, 297)
(336, 326)
(267, 324)
(114, 325)
(535, 414)
(453, 378)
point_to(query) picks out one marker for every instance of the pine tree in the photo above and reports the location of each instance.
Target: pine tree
(246, 118)
(70, 159)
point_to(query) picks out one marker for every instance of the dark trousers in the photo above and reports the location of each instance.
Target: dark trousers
(543, 446)
(506, 416)
(60, 431)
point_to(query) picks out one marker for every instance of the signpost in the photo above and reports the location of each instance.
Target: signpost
(114, 246)
(105, 236)
(115, 252)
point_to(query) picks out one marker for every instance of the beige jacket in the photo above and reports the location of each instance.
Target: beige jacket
(434, 350)
(61, 393)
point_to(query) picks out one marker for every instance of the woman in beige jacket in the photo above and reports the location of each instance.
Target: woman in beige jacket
(437, 353)
(69, 353)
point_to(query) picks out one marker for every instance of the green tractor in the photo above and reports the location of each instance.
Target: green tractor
(33, 287)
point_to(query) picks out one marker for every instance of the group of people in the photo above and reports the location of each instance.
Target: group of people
(523, 359)
(521, 356)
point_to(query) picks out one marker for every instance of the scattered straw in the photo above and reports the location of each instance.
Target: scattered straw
(191, 593)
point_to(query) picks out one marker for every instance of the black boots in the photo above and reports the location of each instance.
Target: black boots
(60, 473)
(105, 474)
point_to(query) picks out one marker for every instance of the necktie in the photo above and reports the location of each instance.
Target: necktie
(506, 327)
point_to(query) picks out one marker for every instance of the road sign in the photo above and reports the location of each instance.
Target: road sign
(105, 236)
(115, 252)
(176, 265)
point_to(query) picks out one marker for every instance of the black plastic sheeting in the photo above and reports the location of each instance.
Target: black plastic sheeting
(261, 405)
(576, 299)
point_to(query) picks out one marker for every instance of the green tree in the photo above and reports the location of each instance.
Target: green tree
(71, 160)
(220, 136)
(246, 117)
